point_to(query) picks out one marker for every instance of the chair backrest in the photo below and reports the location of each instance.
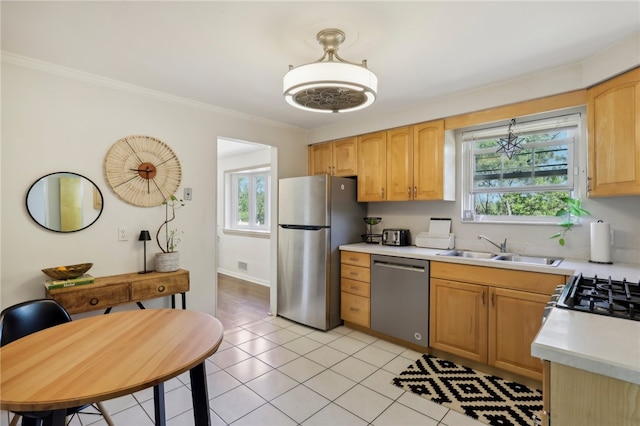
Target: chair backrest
(28, 317)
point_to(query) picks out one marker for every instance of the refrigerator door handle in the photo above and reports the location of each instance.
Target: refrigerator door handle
(304, 227)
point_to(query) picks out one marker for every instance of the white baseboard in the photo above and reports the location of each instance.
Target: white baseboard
(244, 277)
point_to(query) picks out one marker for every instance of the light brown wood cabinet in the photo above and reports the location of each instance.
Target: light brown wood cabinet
(407, 163)
(489, 315)
(372, 167)
(336, 158)
(582, 398)
(355, 288)
(107, 292)
(613, 130)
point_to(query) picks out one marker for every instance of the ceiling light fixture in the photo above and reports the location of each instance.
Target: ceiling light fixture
(332, 85)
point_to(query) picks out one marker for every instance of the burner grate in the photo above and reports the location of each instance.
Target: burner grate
(602, 296)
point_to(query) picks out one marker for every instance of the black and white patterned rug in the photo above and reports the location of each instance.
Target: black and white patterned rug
(489, 399)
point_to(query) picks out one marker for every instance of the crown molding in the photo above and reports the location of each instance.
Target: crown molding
(73, 74)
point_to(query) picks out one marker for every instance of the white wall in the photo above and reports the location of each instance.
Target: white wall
(59, 121)
(234, 248)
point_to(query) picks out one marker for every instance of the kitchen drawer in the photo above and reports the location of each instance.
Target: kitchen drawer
(86, 298)
(158, 287)
(355, 258)
(359, 288)
(355, 309)
(534, 282)
(355, 273)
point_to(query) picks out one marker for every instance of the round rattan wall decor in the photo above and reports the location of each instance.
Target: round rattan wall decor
(142, 170)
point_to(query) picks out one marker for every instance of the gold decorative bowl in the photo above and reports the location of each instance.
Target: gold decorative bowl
(68, 271)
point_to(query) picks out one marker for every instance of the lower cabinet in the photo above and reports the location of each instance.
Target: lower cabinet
(355, 288)
(578, 397)
(489, 315)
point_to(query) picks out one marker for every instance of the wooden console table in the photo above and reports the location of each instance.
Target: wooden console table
(114, 290)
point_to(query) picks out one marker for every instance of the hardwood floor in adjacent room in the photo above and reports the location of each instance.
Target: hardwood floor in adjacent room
(240, 302)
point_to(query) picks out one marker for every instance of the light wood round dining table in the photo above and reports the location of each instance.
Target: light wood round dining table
(108, 356)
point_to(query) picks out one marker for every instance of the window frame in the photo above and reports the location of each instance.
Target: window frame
(574, 116)
(231, 178)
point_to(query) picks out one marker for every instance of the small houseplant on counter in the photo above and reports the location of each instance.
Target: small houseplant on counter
(571, 212)
(169, 259)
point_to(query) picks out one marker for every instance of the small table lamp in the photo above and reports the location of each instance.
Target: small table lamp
(144, 236)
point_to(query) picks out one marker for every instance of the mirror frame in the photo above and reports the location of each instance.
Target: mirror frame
(95, 200)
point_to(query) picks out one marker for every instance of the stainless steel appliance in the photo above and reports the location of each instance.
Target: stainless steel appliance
(603, 296)
(395, 237)
(316, 215)
(400, 298)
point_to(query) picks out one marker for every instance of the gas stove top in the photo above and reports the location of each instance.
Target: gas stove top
(603, 296)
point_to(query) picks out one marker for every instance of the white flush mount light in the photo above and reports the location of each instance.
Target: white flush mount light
(330, 84)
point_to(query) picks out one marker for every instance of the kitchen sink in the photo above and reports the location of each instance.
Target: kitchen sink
(468, 254)
(537, 260)
(503, 257)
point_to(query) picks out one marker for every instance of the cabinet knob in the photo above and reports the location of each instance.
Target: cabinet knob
(408, 191)
(354, 309)
(161, 289)
(415, 191)
(94, 301)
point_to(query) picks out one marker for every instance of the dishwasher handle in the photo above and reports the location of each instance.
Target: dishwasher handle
(413, 268)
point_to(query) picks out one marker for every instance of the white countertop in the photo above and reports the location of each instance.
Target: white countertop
(596, 343)
(616, 271)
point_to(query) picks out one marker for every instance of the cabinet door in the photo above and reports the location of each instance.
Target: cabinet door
(428, 160)
(345, 157)
(320, 158)
(458, 318)
(514, 320)
(400, 164)
(613, 125)
(355, 309)
(372, 173)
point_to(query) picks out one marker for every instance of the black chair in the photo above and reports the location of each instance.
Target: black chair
(20, 320)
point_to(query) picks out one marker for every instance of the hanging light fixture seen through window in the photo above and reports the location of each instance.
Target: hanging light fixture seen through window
(330, 84)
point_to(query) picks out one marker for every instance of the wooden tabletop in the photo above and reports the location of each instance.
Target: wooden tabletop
(103, 357)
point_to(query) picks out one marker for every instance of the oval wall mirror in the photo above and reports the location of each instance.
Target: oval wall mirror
(64, 202)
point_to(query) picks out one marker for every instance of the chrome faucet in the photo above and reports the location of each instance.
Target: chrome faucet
(502, 247)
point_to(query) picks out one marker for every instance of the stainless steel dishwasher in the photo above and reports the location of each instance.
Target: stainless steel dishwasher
(400, 298)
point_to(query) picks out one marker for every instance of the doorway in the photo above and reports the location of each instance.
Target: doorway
(244, 271)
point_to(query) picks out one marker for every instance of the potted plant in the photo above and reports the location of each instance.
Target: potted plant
(168, 259)
(571, 212)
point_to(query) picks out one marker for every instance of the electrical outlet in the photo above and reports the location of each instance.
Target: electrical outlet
(188, 194)
(123, 235)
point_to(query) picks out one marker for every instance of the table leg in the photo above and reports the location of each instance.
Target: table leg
(158, 399)
(57, 418)
(200, 395)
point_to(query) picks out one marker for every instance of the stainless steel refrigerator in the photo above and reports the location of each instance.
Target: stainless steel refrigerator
(316, 214)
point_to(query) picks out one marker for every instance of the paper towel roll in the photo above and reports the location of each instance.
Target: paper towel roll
(600, 247)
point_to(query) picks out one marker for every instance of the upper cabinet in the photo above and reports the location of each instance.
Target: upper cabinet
(372, 166)
(337, 158)
(408, 163)
(613, 125)
(434, 162)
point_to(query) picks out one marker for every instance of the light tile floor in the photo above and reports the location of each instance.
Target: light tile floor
(276, 372)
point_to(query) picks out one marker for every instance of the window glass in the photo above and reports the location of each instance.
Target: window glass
(248, 199)
(523, 183)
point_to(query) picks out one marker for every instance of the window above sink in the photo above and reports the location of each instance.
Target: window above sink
(526, 186)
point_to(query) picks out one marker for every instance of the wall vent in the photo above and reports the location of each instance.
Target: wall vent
(242, 266)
